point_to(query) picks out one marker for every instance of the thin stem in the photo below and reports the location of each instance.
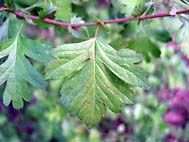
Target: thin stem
(66, 24)
(96, 32)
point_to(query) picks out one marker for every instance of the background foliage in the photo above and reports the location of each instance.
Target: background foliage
(158, 114)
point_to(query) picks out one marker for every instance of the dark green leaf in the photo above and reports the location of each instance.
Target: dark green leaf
(25, 3)
(161, 35)
(48, 10)
(10, 3)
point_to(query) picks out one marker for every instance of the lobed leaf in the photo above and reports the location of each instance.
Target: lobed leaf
(16, 70)
(95, 77)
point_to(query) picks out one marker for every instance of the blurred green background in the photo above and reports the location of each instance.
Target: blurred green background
(158, 114)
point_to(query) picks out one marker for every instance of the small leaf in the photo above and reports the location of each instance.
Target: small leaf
(47, 11)
(95, 77)
(78, 32)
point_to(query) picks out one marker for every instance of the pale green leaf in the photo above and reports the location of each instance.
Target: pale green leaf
(95, 77)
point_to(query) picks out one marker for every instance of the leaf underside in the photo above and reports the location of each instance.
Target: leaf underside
(95, 77)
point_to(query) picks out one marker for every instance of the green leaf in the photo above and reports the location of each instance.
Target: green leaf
(80, 32)
(139, 8)
(95, 77)
(145, 46)
(48, 10)
(41, 23)
(16, 71)
(4, 30)
(25, 3)
(10, 3)
(45, 9)
(161, 35)
(183, 3)
(64, 11)
(142, 45)
(130, 7)
(13, 26)
(38, 51)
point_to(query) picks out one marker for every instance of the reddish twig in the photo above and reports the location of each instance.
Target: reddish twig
(96, 32)
(66, 24)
